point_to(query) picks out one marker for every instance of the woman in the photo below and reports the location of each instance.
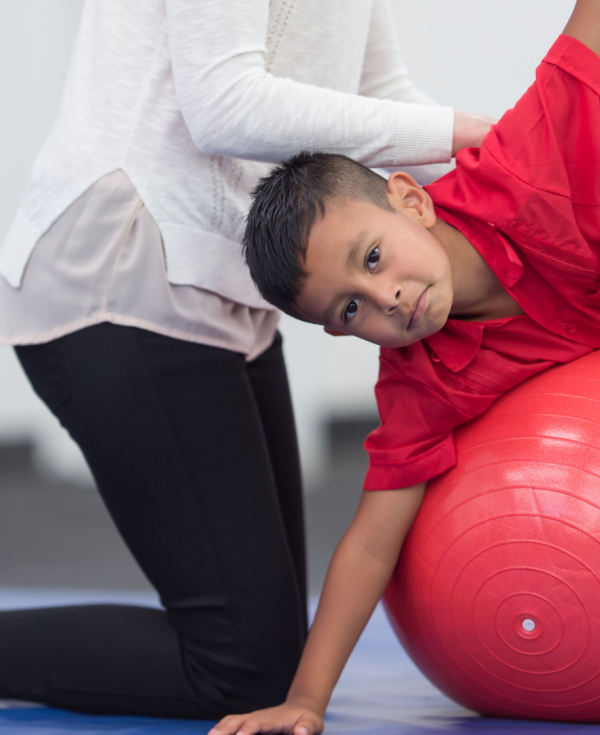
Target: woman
(134, 317)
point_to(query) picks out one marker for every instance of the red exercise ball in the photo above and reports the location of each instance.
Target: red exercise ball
(496, 596)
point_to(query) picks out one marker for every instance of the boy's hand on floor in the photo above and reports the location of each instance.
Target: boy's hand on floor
(291, 718)
(470, 130)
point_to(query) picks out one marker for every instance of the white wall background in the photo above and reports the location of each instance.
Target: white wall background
(475, 55)
(36, 37)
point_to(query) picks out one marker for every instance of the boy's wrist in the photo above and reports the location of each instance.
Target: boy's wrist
(314, 704)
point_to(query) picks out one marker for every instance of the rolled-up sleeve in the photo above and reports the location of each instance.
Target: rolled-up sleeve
(419, 411)
(422, 398)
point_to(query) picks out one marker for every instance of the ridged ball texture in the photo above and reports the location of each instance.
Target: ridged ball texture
(496, 595)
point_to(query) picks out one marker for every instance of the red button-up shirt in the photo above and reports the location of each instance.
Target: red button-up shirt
(529, 201)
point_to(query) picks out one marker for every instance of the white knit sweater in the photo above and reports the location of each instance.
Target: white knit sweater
(186, 96)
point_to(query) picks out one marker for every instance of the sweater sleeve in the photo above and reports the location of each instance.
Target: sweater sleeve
(419, 410)
(384, 73)
(234, 107)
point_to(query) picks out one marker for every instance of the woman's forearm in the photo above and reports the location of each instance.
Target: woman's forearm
(234, 106)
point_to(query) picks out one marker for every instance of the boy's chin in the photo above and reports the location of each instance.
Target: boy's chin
(390, 341)
(396, 343)
(374, 340)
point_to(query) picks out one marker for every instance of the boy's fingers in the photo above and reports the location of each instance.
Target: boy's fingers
(252, 725)
(292, 723)
(228, 725)
(243, 725)
(255, 725)
(309, 726)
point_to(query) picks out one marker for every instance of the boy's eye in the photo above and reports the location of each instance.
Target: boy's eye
(351, 309)
(373, 258)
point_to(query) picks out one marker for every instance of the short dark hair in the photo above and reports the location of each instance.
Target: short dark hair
(285, 205)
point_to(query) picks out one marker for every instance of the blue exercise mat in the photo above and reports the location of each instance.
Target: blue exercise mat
(45, 721)
(380, 692)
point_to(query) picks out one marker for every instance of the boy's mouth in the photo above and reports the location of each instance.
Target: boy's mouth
(419, 310)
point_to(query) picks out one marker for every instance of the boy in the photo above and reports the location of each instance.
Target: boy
(471, 285)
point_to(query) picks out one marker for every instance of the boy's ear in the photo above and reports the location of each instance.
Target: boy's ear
(406, 196)
(335, 332)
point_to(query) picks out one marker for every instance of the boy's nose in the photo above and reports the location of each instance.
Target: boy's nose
(389, 298)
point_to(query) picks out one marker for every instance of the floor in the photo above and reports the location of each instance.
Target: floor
(380, 692)
(58, 546)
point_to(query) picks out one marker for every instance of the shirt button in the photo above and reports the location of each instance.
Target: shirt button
(492, 225)
(569, 328)
(435, 358)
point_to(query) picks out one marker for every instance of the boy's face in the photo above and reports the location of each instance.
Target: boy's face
(378, 275)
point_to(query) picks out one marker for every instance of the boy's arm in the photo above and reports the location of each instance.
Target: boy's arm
(358, 574)
(584, 24)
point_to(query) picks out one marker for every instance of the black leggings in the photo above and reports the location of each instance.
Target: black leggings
(194, 453)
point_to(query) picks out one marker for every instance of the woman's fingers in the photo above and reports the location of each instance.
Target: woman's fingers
(470, 130)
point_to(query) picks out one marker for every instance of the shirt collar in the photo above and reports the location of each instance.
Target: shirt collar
(492, 245)
(502, 258)
(457, 343)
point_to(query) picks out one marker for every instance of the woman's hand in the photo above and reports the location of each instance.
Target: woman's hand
(470, 130)
(292, 718)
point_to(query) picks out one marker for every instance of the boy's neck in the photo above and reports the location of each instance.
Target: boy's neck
(478, 294)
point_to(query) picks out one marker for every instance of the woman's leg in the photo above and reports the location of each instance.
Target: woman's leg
(174, 435)
(269, 381)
